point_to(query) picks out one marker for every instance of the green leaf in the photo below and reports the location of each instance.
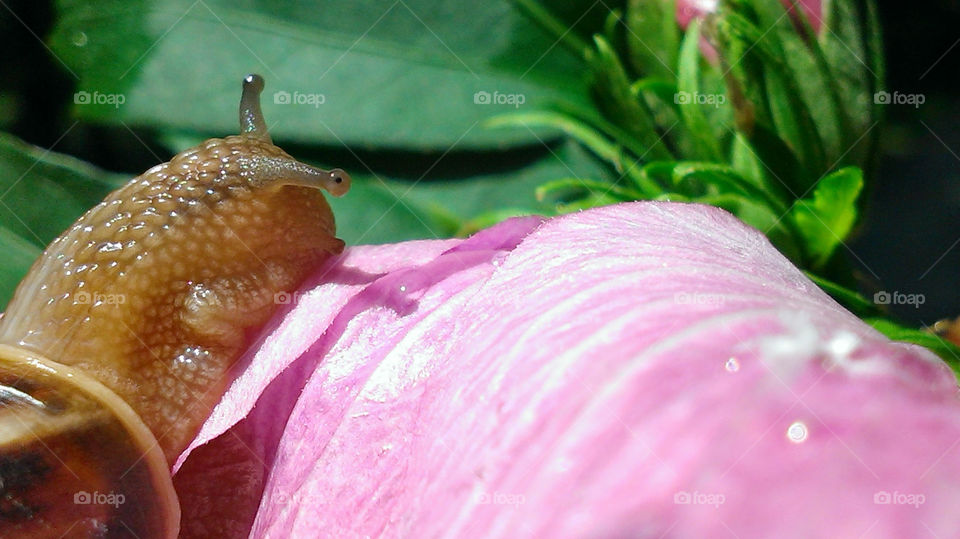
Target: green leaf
(743, 74)
(554, 25)
(18, 256)
(390, 74)
(852, 300)
(791, 117)
(384, 209)
(566, 190)
(706, 145)
(826, 219)
(595, 141)
(486, 220)
(659, 97)
(618, 103)
(780, 167)
(948, 352)
(41, 194)
(653, 37)
(852, 46)
(723, 179)
(804, 63)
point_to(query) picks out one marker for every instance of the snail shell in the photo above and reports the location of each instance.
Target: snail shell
(118, 342)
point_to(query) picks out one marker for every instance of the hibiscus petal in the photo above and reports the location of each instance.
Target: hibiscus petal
(640, 369)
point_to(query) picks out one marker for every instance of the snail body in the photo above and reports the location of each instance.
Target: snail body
(118, 342)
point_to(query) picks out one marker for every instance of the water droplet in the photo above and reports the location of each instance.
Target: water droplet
(403, 288)
(110, 246)
(797, 432)
(732, 365)
(80, 39)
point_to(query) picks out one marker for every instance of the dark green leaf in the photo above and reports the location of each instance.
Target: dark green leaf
(390, 74)
(569, 189)
(485, 220)
(850, 299)
(851, 44)
(827, 217)
(618, 103)
(660, 97)
(653, 37)
(948, 352)
(706, 145)
(18, 255)
(596, 142)
(381, 210)
(41, 194)
(790, 114)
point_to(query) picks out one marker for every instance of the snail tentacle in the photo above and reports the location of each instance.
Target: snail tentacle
(251, 117)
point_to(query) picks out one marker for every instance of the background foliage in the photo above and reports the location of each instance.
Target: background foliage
(399, 79)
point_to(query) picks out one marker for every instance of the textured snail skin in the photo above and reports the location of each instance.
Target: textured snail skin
(155, 292)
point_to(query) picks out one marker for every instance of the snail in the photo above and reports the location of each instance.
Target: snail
(120, 339)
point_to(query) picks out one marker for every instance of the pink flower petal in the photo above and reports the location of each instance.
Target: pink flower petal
(641, 369)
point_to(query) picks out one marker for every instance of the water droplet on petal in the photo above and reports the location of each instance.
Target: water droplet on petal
(797, 432)
(732, 365)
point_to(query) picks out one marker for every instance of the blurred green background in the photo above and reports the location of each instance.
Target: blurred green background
(388, 91)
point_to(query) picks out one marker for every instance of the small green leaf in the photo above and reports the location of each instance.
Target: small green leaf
(948, 352)
(18, 256)
(41, 194)
(791, 117)
(653, 37)
(619, 104)
(385, 209)
(852, 300)
(553, 25)
(743, 74)
(706, 145)
(568, 189)
(803, 61)
(724, 179)
(486, 220)
(781, 169)
(592, 200)
(659, 96)
(826, 219)
(596, 142)
(851, 41)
